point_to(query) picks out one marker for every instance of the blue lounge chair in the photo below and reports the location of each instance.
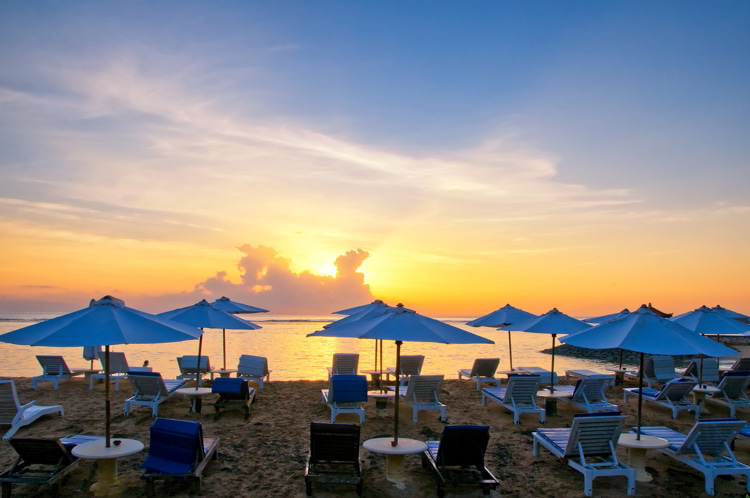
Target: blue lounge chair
(233, 393)
(673, 395)
(732, 391)
(177, 450)
(656, 369)
(592, 435)
(151, 390)
(334, 455)
(590, 394)
(519, 397)
(346, 395)
(460, 448)
(707, 448)
(254, 368)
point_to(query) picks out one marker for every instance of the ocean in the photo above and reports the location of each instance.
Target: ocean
(293, 356)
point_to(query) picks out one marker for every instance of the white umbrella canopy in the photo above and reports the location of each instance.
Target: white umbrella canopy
(204, 315)
(378, 303)
(606, 318)
(732, 314)
(644, 332)
(400, 324)
(553, 322)
(226, 304)
(501, 317)
(104, 322)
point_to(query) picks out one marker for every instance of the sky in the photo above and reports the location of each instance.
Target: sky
(311, 156)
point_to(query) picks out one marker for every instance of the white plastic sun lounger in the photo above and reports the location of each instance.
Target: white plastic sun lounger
(705, 448)
(410, 365)
(118, 369)
(483, 371)
(592, 435)
(710, 370)
(423, 392)
(14, 414)
(346, 395)
(151, 390)
(189, 368)
(254, 368)
(732, 391)
(344, 364)
(54, 369)
(519, 396)
(656, 369)
(590, 394)
(673, 395)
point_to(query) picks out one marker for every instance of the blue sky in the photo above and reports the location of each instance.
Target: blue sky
(328, 126)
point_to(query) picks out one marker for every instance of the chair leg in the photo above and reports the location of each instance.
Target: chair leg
(7, 487)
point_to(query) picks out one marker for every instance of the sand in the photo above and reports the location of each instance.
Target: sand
(265, 455)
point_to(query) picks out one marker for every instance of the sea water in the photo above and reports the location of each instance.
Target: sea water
(293, 356)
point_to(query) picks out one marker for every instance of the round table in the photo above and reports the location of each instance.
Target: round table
(87, 372)
(394, 455)
(195, 396)
(550, 399)
(699, 393)
(619, 375)
(225, 372)
(107, 482)
(381, 401)
(637, 449)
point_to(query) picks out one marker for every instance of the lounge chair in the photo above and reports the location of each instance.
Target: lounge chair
(177, 449)
(41, 462)
(16, 415)
(423, 392)
(460, 448)
(545, 376)
(334, 455)
(656, 369)
(344, 364)
(732, 391)
(189, 368)
(233, 393)
(410, 365)
(518, 397)
(583, 373)
(592, 435)
(151, 390)
(118, 369)
(54, 369)
(741, 364)
(710, 370)
(705, 448)
(483, 371)
(254, 368)
(590, 394)
(346, 395)
(673, 395)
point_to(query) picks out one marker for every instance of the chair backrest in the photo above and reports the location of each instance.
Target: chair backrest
(117, 362)
(256, 366)
(189, 364)
(710, 435)
(176, 446)
(424, 388)
(710, 369)
(345, 364)
(522, 389)
(594, 431)
(347, 389)
(594, 388)
(463, 445)
(9, 404)
(334, 443)
(411, 364)
(742, 363)
(659, 367)
(41, 451)
(485, 367)
(676, 390)
(733, 383)
(53, 365)
(148, 384)
(229, 388)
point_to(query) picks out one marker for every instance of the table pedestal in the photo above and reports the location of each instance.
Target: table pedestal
(550, 406)
(381, 407)
(619, 375)
(394, 456)
(637, 449)
(108, 483)
(394, 468)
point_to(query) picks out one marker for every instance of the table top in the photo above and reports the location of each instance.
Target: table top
(582, 373)
(191, 391)
(86, 370)
(544, 393)
(618, 370)
(405, 446)
(372, 372)
(646, 442)
(706, 389)
(224, 370)
(379, 394)
(95, 450)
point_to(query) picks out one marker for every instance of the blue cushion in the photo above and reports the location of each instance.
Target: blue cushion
(598, 414)
(737, 373)
(226, 385)
(176, 446)
(144, 374)
(348, 389)
(463, 445)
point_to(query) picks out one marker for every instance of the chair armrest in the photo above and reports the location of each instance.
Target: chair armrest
(22, 408)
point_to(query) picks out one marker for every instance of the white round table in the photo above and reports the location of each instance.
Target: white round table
(550, 399)
(619, 375)
(394, 455)
(381, 401)
(195, 396)
(699, 393)
(107, 482)
(637, 449)
(225, 372)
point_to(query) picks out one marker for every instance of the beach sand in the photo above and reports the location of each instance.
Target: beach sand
(266, 455)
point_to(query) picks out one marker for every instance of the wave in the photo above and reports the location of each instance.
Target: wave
(30, 319)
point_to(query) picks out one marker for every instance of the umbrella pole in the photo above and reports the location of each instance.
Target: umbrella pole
(198, 375)
(106, 395)
(621, 351)
(381, 365)
(398, 384)
(700, 374)
(510, 352)
(552, 374)
(224, 340)
(640, 399)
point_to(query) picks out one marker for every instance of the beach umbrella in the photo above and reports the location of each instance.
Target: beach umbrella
(644, 332)
(705, 320)
(358, 309)
(226, 304)
(204, 315)
(606, 318)
(400, 324)
(732, 314)
(503, 317)
(104, 322)
(553, 322)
